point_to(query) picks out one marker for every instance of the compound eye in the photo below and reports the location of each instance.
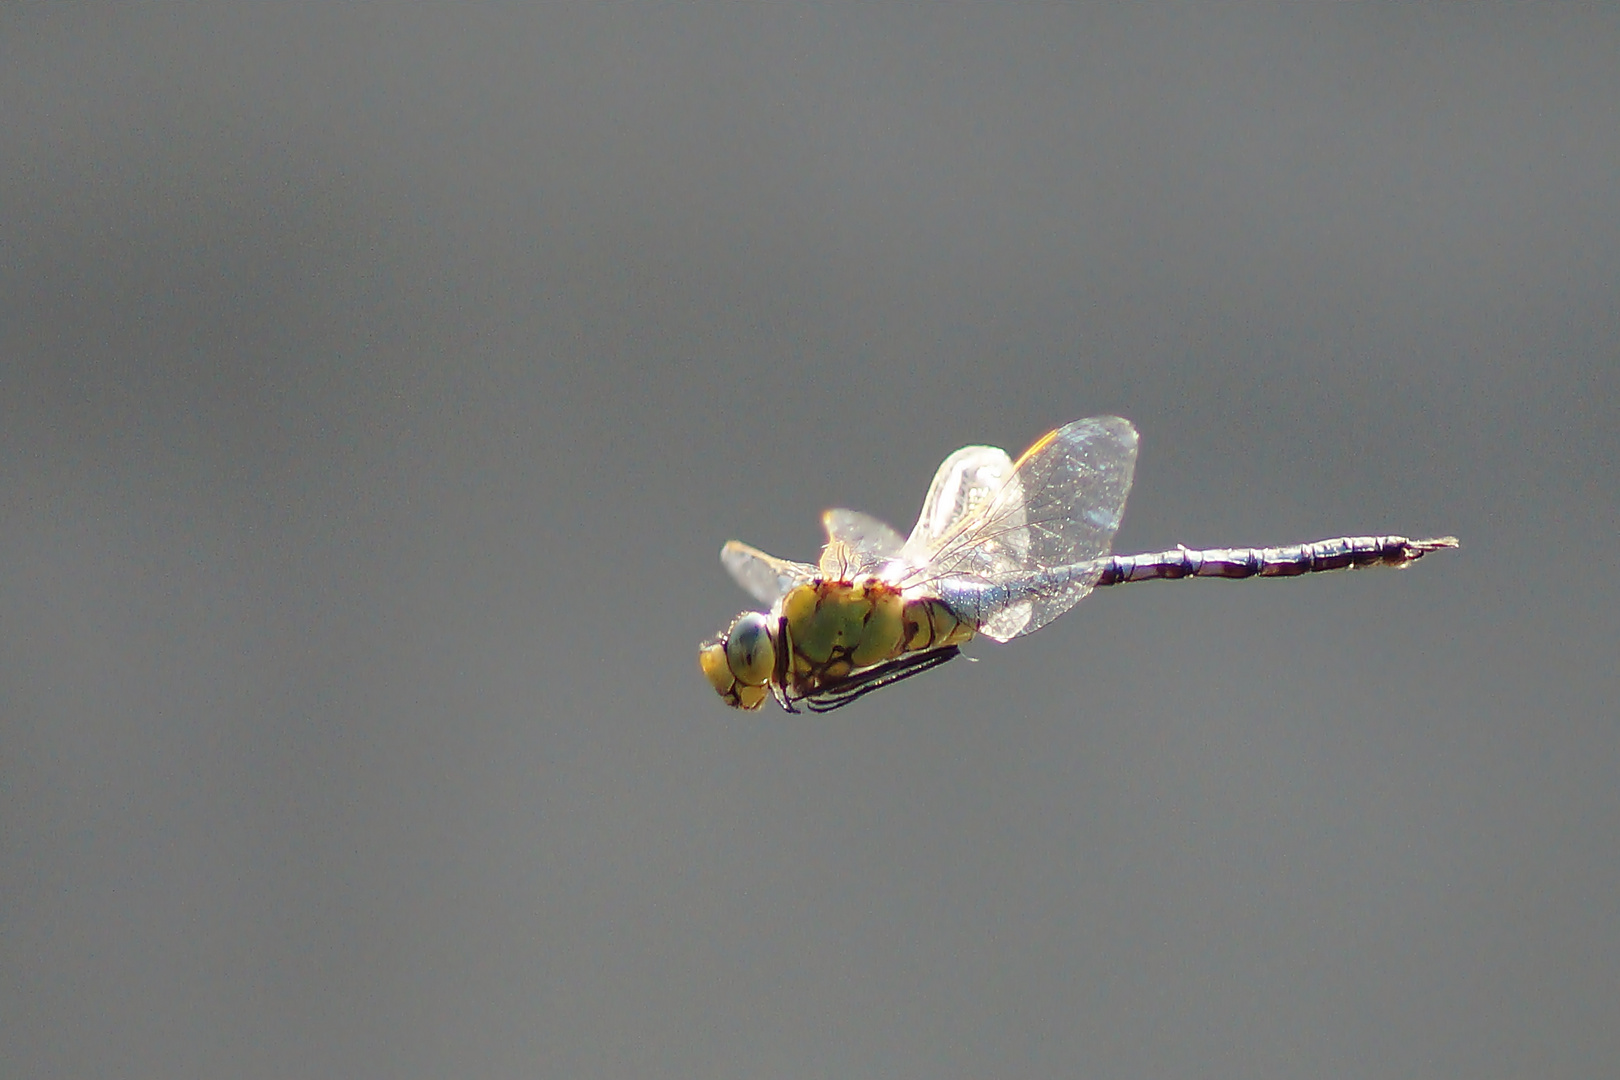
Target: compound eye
(750, 652)
(712, 659)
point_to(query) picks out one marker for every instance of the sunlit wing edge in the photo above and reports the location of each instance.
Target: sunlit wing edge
(764, 577)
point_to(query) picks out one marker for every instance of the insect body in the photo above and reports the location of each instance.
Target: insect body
(1001, 549)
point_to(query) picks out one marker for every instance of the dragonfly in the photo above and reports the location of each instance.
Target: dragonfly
(1000, 549)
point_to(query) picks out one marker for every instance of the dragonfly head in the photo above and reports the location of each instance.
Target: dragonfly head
(740, 663)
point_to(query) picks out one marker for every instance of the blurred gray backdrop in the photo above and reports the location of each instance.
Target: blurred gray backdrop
(378, 385)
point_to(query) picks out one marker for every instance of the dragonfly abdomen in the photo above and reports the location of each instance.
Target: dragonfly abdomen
(1343, 553)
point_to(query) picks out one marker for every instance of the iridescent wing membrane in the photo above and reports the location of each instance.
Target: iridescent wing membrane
(988, 521)
(765, 577)
(963, 486)
(1056, 514)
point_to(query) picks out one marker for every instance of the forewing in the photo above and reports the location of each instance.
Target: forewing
(1061, 507)
(868, 543)
(765, 577)
(963, 486)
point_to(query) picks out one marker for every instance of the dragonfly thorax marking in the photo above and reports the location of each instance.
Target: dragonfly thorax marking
(832, 628)
(823, 633)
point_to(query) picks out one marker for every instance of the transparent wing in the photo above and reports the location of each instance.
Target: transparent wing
(867, 543)
(1060, 507)
(963, 485)
(765, 577)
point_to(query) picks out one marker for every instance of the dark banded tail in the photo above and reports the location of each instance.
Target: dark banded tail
(1344, 553)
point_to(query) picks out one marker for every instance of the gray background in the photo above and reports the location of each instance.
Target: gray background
(377, 388)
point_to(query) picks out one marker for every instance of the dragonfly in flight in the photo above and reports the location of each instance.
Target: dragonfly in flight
(1001, 549)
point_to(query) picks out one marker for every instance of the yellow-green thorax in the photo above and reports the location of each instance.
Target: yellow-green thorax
(834, 628)
(820, 634)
